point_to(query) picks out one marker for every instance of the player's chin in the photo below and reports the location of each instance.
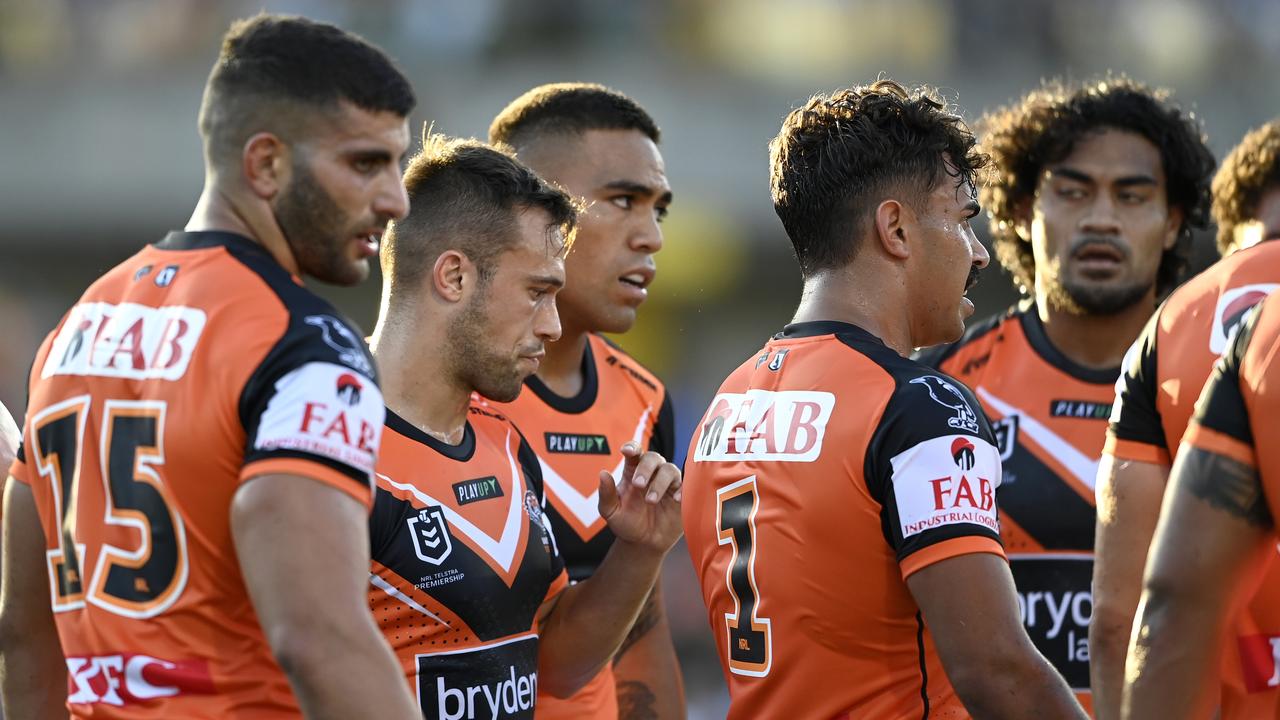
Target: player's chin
(616, 317)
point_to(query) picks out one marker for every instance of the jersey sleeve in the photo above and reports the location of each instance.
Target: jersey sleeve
(1221, 422)
(533, 475)
(663, 439)
(313, 408)
(934, 467)
(1136, 430)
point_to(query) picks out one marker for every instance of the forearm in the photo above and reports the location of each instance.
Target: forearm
(646, 670)
(1017, 687)
(341, 673)
(1109, 634)
(33, 679)
(591, 619)
(1172, 657)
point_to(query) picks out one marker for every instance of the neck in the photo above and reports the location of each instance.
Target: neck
(561, 369)
(1094, 341)
(862, 298)
(221, 208)
(419, 386)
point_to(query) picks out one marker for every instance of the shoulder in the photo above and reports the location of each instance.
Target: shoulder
(612, 359)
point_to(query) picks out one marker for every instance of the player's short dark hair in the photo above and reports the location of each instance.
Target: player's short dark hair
(276, 70)
(466, 195)
(568, 109)
(839, 156)
(1247, 173)
(1043, 128)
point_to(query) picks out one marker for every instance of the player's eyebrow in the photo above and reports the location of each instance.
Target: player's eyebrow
(639, 188)
(380, 156)
(1083, 177)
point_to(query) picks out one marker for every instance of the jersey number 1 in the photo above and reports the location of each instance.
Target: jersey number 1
(140, 582)
(750, 637)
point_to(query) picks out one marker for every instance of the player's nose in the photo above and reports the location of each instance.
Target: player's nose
(392, 199)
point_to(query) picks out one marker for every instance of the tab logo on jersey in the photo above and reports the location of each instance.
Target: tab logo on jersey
(577, 444)
(311, 412)
(1232, 310)
(949, 396)
(1260, 661)
(1086, 409)
(430, 535)
(475, 490)
(946, 480)
(785, 426)
(127, 678)
(128, 340)
(490, 682)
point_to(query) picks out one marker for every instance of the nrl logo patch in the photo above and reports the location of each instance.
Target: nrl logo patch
(430, 536)
(950, 397)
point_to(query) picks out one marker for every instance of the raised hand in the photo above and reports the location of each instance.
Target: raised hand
(644, 507)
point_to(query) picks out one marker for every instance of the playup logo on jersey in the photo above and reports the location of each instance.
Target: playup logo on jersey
(786, 426)
(949, 396)
(1232, 310)
(576, 444)
(132, 341)
(477, 489)
(430, 536)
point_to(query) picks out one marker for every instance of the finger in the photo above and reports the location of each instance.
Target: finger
(609, 501)
(630, 458)
(667, 477)
(648, 465)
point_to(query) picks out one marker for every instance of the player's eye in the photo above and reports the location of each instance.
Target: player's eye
(1071, 193)
(661, 213)
(365, 165)
(1131, 198)
(622, 201)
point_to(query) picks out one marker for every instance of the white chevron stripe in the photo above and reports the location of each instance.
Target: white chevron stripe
(1077, 463)
(502, 549)
(391, 590)
(586, 508)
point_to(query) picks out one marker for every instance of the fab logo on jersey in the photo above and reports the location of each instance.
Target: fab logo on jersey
(786, 426)
(324, 409)
(946, 481)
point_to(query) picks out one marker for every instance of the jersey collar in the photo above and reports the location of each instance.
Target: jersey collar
(461, 452)
(579, 403)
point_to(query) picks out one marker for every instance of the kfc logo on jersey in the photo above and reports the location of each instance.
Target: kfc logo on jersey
(336, 334)
(430, 535)
(786, 426)
(127, 679)
(132, 341)
(946, 481)
(1232, 310)
(304, 415)
(949, 396)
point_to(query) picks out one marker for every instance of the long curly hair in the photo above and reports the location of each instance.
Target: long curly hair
(1248, 171)
(1044, 127)
(839, 155)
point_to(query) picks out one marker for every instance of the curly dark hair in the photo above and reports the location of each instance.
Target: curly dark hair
(568, 109)
(466, 195)
(1043, 128)
(1249, 170)
(839, 155)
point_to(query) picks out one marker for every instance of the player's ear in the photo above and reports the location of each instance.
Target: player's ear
(265, 164)
(1171, 226)
(452, 275)
(892, 224)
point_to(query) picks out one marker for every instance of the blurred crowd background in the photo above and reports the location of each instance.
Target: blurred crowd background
(99, 152)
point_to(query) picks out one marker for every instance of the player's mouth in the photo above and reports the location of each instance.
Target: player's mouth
(636, 282)
(972, 280)
(368, 242)
(1099, 257)
(534, 359)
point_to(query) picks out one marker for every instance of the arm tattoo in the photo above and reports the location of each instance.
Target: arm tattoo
(636, 701)
(649, 615)
(1229, 485)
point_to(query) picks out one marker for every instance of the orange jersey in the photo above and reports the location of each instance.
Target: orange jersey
(575, 438)
(463, 560)
(190, 368)
(1049, 415)
(1163, 375)
(826, 471)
